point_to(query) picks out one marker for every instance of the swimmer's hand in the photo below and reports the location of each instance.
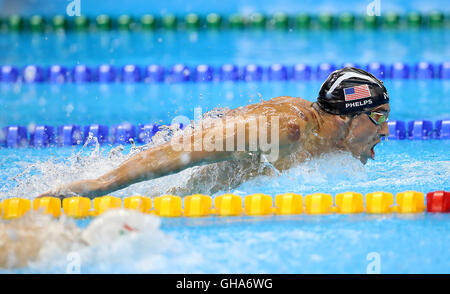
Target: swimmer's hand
(47, 194)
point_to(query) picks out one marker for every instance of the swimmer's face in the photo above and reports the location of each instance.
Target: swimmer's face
(364, 134)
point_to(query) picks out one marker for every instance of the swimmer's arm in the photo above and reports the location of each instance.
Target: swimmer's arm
(220, 142)
(150, 164)
(230, 174)
(163, 160)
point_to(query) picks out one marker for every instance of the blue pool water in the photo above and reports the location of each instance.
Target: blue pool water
(145, 103)
(274, 244)
(301, 244)
(216, 48)
(135, 7)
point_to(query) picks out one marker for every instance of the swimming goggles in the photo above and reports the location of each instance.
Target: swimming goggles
(377, 117)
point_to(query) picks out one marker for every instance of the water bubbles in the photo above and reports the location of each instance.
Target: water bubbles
(46, 242)
(69, 109)
(217, 112)
(90, 137)
(114, 152)
(193, 37)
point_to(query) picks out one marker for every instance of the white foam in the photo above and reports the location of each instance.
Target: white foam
(42, 244)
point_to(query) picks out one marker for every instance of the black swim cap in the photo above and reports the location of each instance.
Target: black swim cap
(351, 90)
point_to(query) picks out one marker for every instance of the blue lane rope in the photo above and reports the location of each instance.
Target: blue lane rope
(206, 73)
(70, 135)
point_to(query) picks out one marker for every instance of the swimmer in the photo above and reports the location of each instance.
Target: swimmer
(349, 115)
(38, 237)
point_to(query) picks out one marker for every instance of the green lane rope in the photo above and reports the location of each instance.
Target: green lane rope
(214, 21)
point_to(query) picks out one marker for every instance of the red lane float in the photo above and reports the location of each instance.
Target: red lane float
(438, 201)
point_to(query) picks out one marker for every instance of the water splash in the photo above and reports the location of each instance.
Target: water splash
(314, 175)
(409, 165)
(92, 161)
(39, 243)
(35, 237)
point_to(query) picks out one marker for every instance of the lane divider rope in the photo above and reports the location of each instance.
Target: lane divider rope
(182, 73)
(214, 21)
(39, 136)
(199, 205)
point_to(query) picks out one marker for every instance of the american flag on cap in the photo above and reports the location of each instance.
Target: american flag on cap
(357, 92)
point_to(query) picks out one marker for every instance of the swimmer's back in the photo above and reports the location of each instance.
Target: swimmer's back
(290, 110)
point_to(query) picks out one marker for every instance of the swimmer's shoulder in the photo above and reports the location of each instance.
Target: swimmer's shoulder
(295, 114)
(291, 101)
(295, 106)
(284, 106)
(299, 113)
(285, 99)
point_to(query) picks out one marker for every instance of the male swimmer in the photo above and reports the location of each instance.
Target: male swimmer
(38, 237)
(349, 115)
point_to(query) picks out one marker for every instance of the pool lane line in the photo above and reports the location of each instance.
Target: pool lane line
(39, 24)
(259, 204)
(204, 73)
(39, 136)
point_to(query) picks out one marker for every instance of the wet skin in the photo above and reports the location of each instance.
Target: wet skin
(364, 134)
(305, 131)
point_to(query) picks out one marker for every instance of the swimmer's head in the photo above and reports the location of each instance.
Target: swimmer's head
(361, 102)
(351, 91)
(115, 223)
